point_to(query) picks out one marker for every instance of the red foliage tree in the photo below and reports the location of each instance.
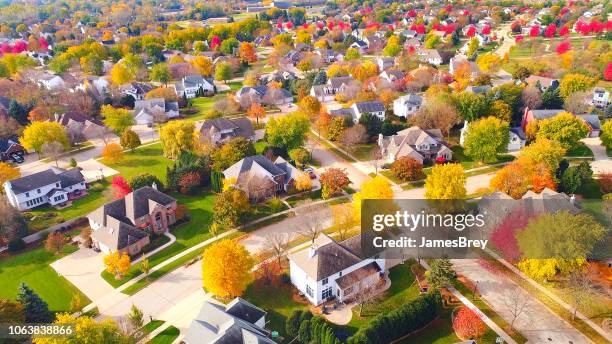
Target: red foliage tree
(550, 30)
(19, 46)
(608, 72)
(486, 30)
(43, 43)
(320, 25)
(330, 25)
(518, 38)
(412, 13)
(504, 235)
(289, 25)
(467, 324)
(563, 11)
(269, 273)
(563, 47)
(605, 182)
(120, 187)
(189, 181)
(564, 31)
(215, 42)
(471, 31)
(534, 31)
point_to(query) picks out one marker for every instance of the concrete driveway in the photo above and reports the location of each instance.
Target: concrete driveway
(327, 159)
(82, 268)
(601, 162)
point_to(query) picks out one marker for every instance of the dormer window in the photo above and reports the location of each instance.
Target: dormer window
(57, 185)
(38, 190)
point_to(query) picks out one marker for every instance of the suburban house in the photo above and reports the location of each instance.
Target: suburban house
(124, 225)
(374, 107)
(86, 127)
(360, 45)
(517, 137)
(237, 322)
(385, 62)
(328, 91)
(538, 115)
(543, 82)
(190, 84)
(50, 81)
(260, 178)
(458, 61)
(431, 56)
(416, 143)
(220, 130)
(392, 75)
(278, 75)
(149, 111)
(137, 90)
(54, 186)
(10, 146)
(330, 269)
(593, 122)
(408, 105)
(601, 98)
(264, 94)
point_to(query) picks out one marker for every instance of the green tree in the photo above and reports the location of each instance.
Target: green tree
(440, 273)
(570, 180)
(544, 150)
(223, 72)
(231, 152)
(351, 54)
(230, 208)
(117, 119)
(145, 179)
(574, 82)
(606, 134)
(161, 73)
(287, 131)
(136, 318)
(228, 46)
(565, 128)
(300, 155)
(485, 138)
(471, 106)
(129, 139)
(36, 310)
(551, 98)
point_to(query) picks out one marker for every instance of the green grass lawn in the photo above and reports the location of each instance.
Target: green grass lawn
(403, 289)
(277, 301)
(187, 234)
(32, 267)
(151, 326)
(579, 150)
(469, 163)
(45, 217)
(312, 195)
(260, 146)
(148, 159)
(166, 336)
(362, 152)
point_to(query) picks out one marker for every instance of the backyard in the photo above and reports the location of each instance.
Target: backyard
(148, 159)
(32, 267)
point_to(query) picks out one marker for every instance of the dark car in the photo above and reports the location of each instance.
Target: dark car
(16, 158)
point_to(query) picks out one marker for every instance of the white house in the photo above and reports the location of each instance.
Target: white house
(328, 91)
(384, 62)
(137, 90)
(431, 56)
(516, 134)
(53, 186)
(601, 98)
(416, 143)
(330, 269)
(375, 107)
(149, 111)
(408, 105)
(51, 81)
(190, 85)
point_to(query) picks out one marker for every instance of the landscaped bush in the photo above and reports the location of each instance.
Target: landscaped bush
(276, 205)
(16, 244)
(391, 326)
(145, 179)
(407, 169)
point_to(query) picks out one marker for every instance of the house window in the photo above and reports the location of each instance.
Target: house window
(326, 294)
(340, 275)
(324, 282)
(27, 194)
(57, 185)
(309, 291)
(38, 190)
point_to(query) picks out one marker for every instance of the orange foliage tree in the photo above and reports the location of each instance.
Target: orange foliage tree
(467, 324)
(256, 111)
(226, 269)
(117, 264)
(247, 52)
(113, 153)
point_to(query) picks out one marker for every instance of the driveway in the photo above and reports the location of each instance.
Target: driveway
(537, 323)
(82, 268)
(601, 163)
(327, 159)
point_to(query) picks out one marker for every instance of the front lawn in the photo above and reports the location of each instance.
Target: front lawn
(362, 152)
(167, 336)
(579, 150)
(468, 163)
(148, 159)
(32, 267)
(44, 217)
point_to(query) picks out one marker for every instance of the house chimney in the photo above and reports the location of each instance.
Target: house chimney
(573, 199)
(56, 116)
(154, 185)
(380, 140)
(312, 251)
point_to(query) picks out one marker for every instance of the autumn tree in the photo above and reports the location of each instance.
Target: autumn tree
(52, 150)
(467, 324)
(161, 73)
(532, 97)
(606, 134)
(513, 179)
(303, 182)
(223, 71)
(7, 172)
(117, 264)
(231, 152)
(300, 155)
(489, 63)
(37, 134)
(11, 312)
(375, 188)
(121, 74)
(203, 65)
(118, 119)
(407, 169)
(446, 182)
(55, 242)
(437, 114)
(573, 82)
(230, 208)
(309, 105)
(247, 52)
(226, 269)
(544, 150)
(256, 111)
(177, 136)
(87, 330)
(485, 138)
(471, 106)
(113, 153)
(287, 131)
(120, 187)
(333, 181)
(353, 136)
(565, 128)
(129, 140)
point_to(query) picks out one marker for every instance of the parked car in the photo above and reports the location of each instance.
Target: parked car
(310, 172)
(16, 158)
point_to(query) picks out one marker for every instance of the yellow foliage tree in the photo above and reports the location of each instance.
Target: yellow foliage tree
(38, 133)
(226, 269)
(203, 64)
(113, 153)
(7, 172)
(446, 182)
(303, 182)
(229, 183)
(117, 263)
(489, 63)
(121, 74)
(177, 136)
(376, 188)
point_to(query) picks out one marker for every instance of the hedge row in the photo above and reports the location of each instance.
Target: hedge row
(398, 323)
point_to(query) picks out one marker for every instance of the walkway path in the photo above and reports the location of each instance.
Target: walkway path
(537, 323)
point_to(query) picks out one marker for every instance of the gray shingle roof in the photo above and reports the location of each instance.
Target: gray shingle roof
(47, 177)
(371, 106)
